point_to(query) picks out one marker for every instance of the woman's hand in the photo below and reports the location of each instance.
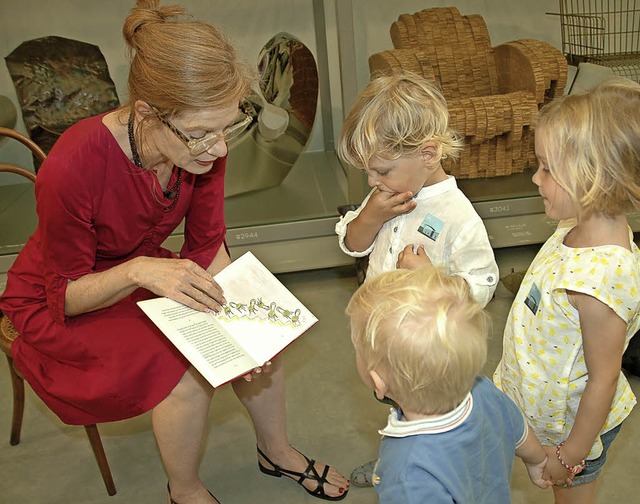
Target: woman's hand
(408, 259)
(181, 280)
(255, 373)
(178, 279)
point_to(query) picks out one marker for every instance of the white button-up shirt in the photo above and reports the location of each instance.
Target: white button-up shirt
(449, 228)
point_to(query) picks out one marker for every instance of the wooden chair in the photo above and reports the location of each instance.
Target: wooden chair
(493, 93)
(8, 335)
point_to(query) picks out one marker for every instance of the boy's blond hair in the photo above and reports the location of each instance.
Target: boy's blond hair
(394, 116)
(592, 145)
(421, 331)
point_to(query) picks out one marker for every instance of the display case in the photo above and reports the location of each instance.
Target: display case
(510, 206)
(290, 226)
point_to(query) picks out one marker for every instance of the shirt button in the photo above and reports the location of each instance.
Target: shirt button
(395, 229)
(490, 279)
(390, 250)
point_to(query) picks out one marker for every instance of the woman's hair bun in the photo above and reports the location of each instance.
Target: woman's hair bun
(148, 12)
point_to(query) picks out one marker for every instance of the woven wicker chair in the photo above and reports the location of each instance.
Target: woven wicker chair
(8, 335)
(493, 93)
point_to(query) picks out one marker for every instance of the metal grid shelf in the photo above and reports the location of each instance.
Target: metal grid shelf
(603, 32)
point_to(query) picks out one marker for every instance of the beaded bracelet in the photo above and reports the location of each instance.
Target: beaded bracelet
(576, 469)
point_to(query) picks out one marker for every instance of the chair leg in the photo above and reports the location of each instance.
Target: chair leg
(101, 458)
(18, 403)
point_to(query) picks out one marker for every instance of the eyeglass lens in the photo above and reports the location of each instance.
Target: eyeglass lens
(209, 141)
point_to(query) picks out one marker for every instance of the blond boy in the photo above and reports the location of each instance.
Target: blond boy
(415, 215)
(421, 341)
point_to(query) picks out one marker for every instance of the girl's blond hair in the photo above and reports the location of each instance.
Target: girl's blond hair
(592, 145)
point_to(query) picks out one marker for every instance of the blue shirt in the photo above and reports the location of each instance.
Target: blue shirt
(465, 456)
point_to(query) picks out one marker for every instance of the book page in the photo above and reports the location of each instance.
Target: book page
(201, 339)
(261, 314)
(261, 318)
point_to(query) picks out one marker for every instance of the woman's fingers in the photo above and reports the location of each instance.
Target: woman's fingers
(198, 299)
(210, 290)
(265, 368)
(189, 284)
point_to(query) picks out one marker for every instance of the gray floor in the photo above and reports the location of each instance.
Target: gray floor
(332, 417)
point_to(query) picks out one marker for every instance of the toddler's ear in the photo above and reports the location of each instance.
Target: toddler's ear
(430, 153)
(379, 386)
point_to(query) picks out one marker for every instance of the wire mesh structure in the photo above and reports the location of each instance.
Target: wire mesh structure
(603, 32)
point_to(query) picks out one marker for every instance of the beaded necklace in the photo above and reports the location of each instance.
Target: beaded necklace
(172, 192)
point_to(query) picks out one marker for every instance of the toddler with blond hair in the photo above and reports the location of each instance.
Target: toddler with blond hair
(421, 340)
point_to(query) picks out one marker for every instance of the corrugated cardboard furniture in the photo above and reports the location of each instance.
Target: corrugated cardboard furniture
(493, 93)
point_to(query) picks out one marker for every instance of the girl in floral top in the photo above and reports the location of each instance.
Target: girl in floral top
(578, 305)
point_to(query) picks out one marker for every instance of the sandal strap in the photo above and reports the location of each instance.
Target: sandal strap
(310, 473)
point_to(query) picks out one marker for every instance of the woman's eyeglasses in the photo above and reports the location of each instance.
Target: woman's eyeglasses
(202, 144)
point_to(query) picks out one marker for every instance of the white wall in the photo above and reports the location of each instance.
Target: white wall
(250, 24)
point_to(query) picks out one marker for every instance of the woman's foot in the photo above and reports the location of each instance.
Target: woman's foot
(318, 479)
(200, 496)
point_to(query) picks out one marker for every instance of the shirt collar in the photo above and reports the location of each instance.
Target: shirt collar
(437, 189)
(398, 427)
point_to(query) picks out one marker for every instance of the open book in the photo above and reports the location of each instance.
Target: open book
(260, 319)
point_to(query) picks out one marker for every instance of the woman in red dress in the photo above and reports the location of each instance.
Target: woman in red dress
(112, 189)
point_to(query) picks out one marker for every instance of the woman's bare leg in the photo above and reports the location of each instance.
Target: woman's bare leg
(179, 423)
(264, 399)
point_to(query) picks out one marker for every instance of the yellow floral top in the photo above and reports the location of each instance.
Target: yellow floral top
(543, 367)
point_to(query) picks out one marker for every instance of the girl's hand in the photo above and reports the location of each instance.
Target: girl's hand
(265, 368)
(383, 206)
(554, 471)
(408, 259)
(181, 280)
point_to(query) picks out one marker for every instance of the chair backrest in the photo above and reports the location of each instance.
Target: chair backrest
(38, 153)
(19, 199)
(458, 47)
(7, 333)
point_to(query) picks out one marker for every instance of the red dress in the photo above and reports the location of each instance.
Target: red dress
(96, 209)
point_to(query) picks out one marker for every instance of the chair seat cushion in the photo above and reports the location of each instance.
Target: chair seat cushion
(483, 117)
(8, 334)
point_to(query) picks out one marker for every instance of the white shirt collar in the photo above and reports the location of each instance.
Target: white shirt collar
(437, 189)
(398, 427)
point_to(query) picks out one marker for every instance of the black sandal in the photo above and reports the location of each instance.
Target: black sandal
(310, 473)
(174, 502)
